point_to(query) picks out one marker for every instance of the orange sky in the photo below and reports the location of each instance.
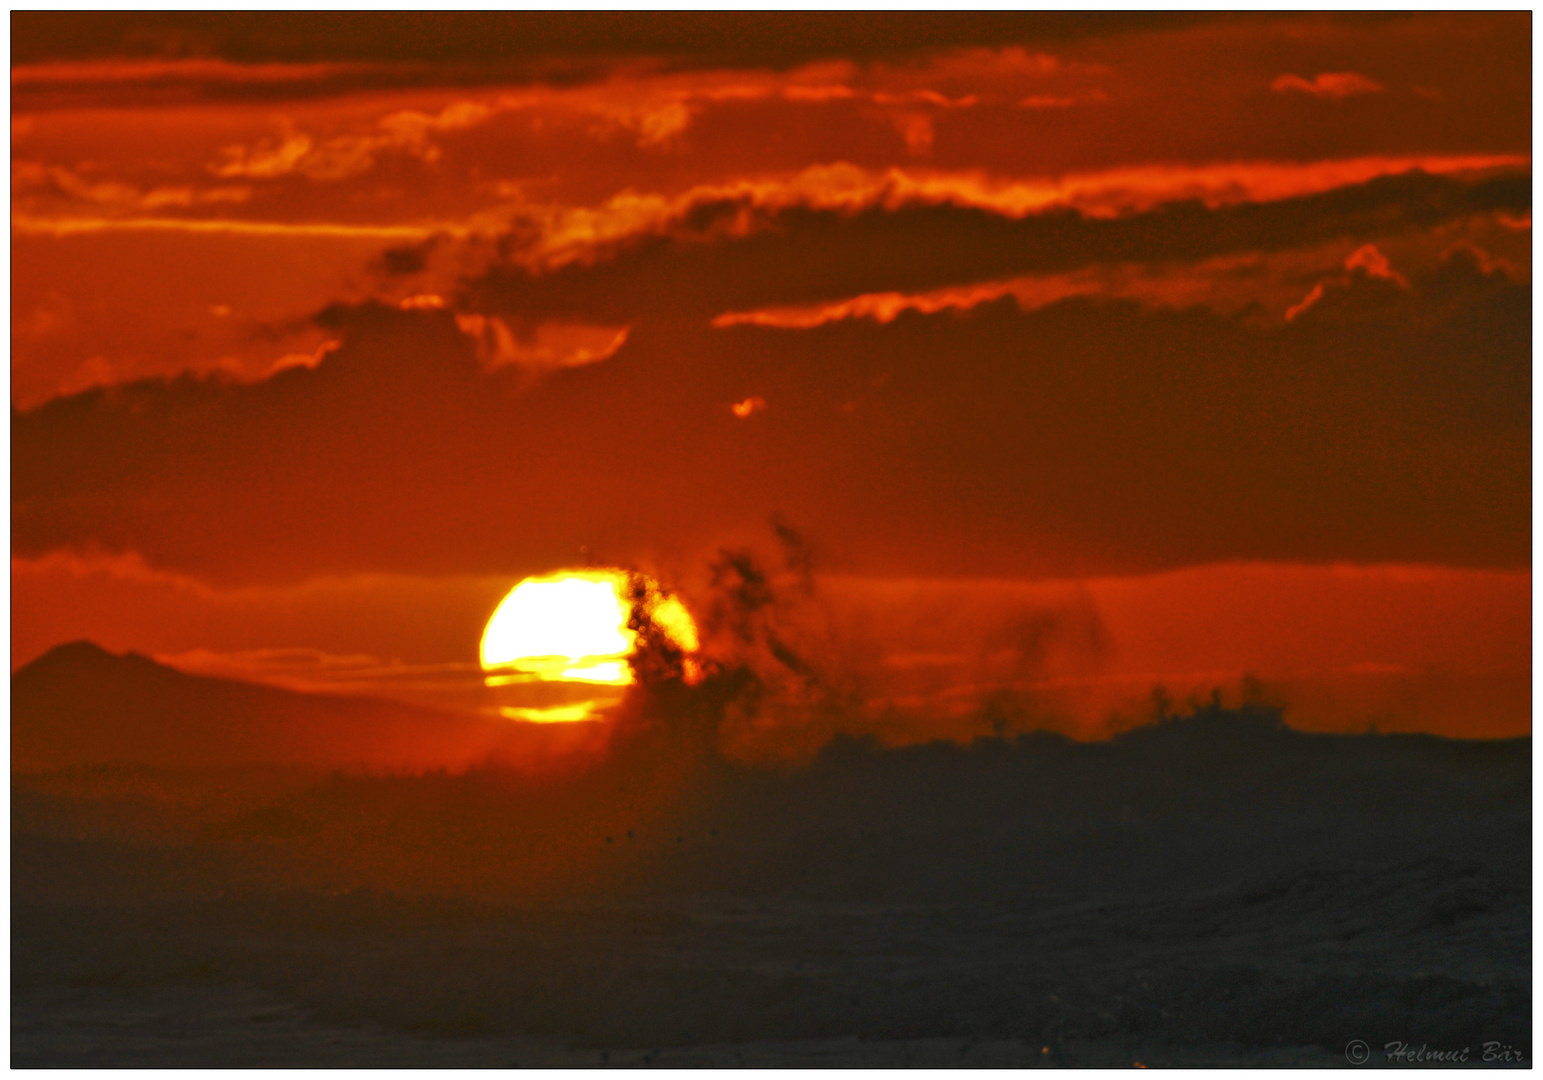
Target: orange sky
(1200, 346)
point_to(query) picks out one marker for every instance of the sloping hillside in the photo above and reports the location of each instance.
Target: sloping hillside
(79, 705)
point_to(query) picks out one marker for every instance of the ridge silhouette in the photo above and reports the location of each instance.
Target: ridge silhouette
(79, 704)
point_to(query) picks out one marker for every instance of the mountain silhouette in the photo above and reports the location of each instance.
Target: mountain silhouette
(80, 705)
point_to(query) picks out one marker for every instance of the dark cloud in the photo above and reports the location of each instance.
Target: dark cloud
(341, 52)
(801, 255)
(406, 261)
(749, 38)
(1467, 349)
(1385, 424)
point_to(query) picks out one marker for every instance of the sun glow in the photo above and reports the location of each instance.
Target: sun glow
(559, 714)
(573, 627)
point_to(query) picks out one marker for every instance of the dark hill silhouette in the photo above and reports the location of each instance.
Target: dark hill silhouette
(79, 705)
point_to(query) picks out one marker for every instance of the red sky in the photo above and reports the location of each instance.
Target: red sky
(1132, 351)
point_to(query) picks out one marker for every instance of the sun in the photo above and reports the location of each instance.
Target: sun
(573, 627)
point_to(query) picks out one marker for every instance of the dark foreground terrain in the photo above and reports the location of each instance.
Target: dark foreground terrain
(1213, 889)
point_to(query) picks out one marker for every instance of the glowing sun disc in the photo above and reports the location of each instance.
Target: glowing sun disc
(572, 627)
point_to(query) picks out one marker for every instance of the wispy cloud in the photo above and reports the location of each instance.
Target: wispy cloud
(1368, 260)
(575, 234)
(71, 226)
(1227, 284)
(343, 156)
(548, 346)
(1330, 84)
